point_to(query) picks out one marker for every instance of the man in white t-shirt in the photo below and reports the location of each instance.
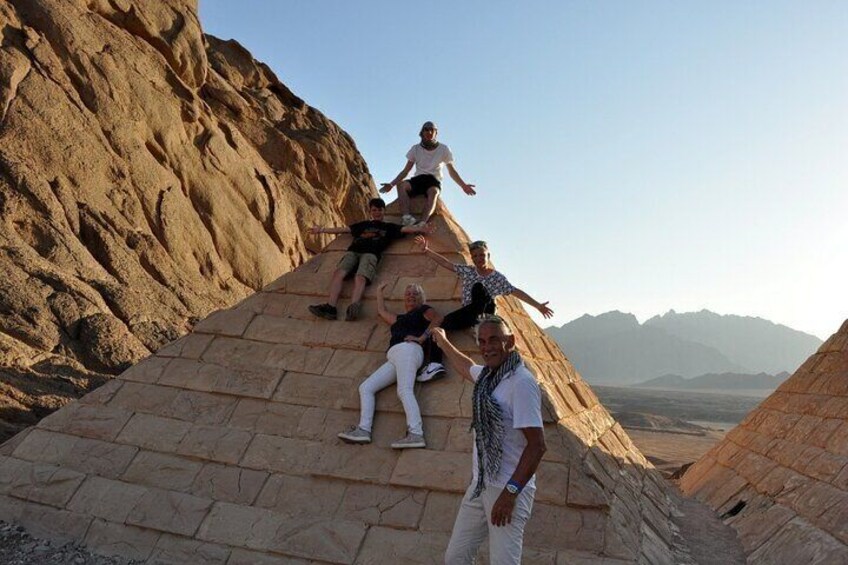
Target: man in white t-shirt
(428, 158)
(509, 442)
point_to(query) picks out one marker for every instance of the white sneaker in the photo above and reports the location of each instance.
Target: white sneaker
(355, 435)
(408, 220)
(411, 441)
(431, 372)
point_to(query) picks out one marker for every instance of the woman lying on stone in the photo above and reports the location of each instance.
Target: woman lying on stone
(480, 285)
(405, 355)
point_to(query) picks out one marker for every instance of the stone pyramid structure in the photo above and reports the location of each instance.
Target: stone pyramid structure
(222, 448)
(780, 478)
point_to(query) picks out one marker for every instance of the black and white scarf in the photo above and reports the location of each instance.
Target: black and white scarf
(487, 421)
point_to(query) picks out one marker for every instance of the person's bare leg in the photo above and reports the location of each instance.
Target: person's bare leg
(403, 197)
(432, 199)
(336, 287)
(359, 283)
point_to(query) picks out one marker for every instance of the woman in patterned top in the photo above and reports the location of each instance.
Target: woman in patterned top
(481, 283)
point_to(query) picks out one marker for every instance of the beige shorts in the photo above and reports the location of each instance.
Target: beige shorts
(364, 264)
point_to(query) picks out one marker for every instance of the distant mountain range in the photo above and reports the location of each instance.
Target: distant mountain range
(614, 348)
(719, 382)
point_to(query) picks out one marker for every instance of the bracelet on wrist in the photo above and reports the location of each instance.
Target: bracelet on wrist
(513, 487)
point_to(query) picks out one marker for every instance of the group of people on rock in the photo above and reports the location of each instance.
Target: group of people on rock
(506, 400)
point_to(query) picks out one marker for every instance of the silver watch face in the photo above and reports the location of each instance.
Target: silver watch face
(512, 489)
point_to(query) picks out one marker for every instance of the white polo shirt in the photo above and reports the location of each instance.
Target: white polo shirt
(520, 399)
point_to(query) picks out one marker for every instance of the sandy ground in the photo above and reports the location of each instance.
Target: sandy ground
(669, 451)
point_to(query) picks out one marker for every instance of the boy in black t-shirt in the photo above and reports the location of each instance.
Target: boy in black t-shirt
(370, 239)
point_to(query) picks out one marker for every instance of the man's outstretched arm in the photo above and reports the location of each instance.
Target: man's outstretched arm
(459, 361)
(454, 174)
(387, 186)
(319, 229)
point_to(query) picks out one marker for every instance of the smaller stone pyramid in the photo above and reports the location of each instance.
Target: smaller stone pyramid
(780, 478)
(222, 448)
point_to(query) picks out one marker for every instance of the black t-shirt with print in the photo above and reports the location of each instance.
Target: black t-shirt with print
(373, 236)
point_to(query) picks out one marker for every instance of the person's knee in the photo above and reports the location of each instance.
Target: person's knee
(405, 187)
(458, 555)
(433, 192)
(405, 389)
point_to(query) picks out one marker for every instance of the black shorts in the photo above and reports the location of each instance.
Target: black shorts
(421, 183)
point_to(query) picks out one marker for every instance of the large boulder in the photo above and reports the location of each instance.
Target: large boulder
(149, 174)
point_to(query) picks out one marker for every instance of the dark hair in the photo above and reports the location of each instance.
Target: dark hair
(376, 203)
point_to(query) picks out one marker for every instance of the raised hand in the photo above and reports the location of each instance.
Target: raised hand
(382, 286)
(438, 335)
(422, 241)
(385, 187)
(545, 311)
(469, 189)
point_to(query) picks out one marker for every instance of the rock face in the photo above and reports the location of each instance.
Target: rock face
(780, 478)
(149, 174)
(223, 444)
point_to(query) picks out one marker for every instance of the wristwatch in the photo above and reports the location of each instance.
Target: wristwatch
(513, 487)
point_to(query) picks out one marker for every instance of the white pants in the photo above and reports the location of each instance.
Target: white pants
(474, 522)
(403, 362)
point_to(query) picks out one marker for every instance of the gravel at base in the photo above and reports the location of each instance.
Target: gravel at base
(17, 547)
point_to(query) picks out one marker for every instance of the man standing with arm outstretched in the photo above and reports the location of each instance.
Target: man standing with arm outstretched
(509, 442)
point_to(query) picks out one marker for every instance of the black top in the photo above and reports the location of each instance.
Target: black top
(373, 236)
(412, 323)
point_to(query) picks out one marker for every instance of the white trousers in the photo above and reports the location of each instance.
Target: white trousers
(403, 362)
(474, 523)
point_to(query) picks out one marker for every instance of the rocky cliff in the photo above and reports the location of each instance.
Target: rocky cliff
(149, 174)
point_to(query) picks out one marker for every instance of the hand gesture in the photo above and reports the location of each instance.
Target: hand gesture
(314, 230)
(545, 311)
(382, 286)
(469, 189)
(438, 335)
(385, 187)
(422, 241)
(502, 509)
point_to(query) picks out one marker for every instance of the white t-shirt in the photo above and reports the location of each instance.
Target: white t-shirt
(429, 162)
(520, 399)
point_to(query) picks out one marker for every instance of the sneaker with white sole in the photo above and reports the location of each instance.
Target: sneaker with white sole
(411, 441)
(431, 372)
(355, 435)
(408, 220)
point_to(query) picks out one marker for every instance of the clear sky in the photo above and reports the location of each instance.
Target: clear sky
(638, 156)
